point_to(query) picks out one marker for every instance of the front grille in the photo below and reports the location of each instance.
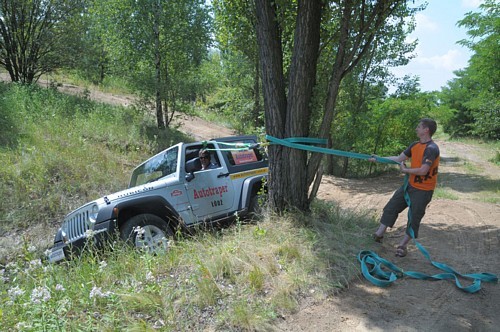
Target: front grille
(76, 224)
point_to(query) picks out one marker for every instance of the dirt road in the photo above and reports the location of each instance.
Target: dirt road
(196, 127)
(463, 232)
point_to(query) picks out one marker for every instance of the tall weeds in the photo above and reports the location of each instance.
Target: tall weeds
(235, 278)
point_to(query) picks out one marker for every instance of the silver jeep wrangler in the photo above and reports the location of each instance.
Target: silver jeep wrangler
(170, 191)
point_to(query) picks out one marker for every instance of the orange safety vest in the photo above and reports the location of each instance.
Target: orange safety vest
(417, 153)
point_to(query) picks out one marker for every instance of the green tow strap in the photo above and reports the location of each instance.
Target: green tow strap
(300, 143)
(374, 268)
(232, 146)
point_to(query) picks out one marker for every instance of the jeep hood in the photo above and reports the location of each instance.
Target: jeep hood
(139, 190)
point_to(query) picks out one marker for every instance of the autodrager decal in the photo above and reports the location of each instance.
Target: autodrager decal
(209, 192)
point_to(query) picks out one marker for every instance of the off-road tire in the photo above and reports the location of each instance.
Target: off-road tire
(148, 232)
(254, 208)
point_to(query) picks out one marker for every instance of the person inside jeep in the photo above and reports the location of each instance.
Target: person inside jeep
(205, 160)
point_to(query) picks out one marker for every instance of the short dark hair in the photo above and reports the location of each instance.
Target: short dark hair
(429, 123)
(204, 153)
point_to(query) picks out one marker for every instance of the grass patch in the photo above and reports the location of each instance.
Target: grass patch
(444, 193)
(237, 278)
(111, 84)
(495, 159)
(470, 168)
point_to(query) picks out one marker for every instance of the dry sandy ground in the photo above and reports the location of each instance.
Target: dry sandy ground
(463, 233)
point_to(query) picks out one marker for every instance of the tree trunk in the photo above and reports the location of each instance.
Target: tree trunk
(329, 165)
(300, 87)
(288, 185)
(273, 86)
(159, 110)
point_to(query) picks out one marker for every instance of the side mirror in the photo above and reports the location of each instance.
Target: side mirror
(192, 166)
(189, 177)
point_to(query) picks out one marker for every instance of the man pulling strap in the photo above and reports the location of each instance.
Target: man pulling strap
(423, 173)
(419, 185)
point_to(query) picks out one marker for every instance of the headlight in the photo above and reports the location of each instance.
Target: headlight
(64, 236)
(93, 213)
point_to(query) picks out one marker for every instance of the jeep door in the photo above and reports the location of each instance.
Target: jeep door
(210, 194)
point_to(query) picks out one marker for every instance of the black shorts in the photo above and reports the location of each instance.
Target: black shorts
(419, 200)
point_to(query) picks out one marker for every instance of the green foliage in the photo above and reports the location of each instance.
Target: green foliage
(229, 93)
(235, 27)
(385, 128)
(8, 125)
(474, 95)
(157, 46)
(38, 37)
(234, 103)
(236, 35)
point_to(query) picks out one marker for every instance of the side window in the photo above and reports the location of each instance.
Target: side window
(244, 157)
(169, 163)
(193, 152)
(215, 159)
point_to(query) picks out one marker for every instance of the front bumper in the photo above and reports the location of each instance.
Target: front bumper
(66, 249)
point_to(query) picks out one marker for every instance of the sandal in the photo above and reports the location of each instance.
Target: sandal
(377, 238)
(401, 251)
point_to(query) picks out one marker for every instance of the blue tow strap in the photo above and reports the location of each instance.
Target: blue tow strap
(374, 268)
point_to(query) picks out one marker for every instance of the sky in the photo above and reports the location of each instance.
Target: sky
(437, 53)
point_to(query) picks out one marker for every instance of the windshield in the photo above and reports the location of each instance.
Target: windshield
(159, 166)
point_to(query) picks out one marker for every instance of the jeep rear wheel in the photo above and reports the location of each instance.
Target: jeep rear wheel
(148, 232)
(254, 208)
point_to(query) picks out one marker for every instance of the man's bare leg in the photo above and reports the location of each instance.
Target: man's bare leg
(401, 250)
(381, 230)
(379, 234)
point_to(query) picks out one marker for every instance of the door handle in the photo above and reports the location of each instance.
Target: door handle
(222, 175)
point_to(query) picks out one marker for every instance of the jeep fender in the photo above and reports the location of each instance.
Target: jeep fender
(250, 187)
(156, 205)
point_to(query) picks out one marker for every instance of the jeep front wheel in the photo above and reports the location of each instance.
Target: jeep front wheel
(147, 232)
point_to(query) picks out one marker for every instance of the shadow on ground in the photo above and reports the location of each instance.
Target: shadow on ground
(411, 304)
(468, 183)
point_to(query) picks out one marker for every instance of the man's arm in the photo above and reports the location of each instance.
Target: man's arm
(430, 154)
(422, 170)
(402, 157)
